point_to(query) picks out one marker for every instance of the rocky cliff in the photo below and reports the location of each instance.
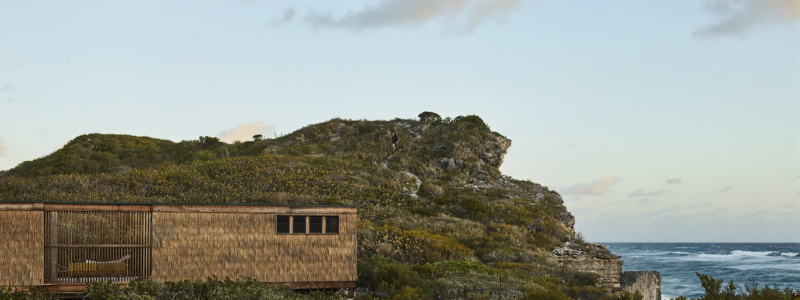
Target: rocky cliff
(646, 282)
(592, 258)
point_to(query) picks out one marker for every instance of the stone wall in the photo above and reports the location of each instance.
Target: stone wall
(646, 282)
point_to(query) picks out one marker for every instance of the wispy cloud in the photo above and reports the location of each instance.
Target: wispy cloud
(3, 148)
(740, 17)
(642, 193)
(674, 180)
(8, 88)
(597, 187)
(245, 132)
(288, 16)
(462, 15)
(725, 189)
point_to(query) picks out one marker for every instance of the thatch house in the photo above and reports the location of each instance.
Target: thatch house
(65, 246)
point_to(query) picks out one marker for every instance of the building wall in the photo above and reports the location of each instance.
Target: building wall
(245, 245)
(21, 248)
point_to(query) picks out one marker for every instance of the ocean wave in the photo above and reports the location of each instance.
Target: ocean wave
(790, 254)
(793, 267)
(680, 253)
(734, 255)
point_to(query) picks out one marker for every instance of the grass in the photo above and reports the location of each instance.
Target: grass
(465, 235)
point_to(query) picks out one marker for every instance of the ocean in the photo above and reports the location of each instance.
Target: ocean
(767, 263)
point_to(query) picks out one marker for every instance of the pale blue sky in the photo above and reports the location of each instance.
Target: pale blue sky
(604, 100)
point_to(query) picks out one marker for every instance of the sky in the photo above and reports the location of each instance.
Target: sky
(658, 121)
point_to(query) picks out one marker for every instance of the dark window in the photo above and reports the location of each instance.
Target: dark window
(299, 225)
(315, 224)
(331, 224)
(283, 224)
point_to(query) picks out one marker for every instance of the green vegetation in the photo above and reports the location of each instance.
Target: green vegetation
(212, 289)
(714, 290)
(437, 219)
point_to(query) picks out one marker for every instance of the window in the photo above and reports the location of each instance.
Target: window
(315, 224)
(332, 224)
(307, 224)
(283, 224)
(299, 224)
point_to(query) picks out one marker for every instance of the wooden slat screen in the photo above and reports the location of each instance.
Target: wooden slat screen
(91, 246)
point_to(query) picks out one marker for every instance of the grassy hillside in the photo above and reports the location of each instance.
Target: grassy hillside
(437, 219)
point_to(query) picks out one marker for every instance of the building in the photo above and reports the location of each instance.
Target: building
(65, 246)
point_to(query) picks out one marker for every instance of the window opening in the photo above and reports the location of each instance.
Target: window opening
(299, 224)
(283, 224)
(315, 224)
(332, 224)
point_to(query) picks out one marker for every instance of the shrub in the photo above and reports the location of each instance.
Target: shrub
(431, 190)
(429, 117)
(471, 122)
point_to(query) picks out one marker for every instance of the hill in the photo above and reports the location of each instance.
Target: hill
(437, 218)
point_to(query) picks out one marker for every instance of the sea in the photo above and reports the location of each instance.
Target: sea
(776, 264)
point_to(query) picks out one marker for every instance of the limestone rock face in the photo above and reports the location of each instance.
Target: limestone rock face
(646, 282)
(602, 263)
(494, 151)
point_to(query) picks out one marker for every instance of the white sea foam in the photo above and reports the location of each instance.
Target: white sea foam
(679, 252)
(790, 254)
(751, 253)
(734, 255)
(793, 267)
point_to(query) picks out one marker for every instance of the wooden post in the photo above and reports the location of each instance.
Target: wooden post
(351, 293)
(52, 259)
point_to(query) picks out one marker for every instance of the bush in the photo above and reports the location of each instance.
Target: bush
(431, 190)
(714, 290)
(429, 117)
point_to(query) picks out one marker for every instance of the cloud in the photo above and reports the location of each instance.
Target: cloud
(462, 15)
(674, 180)
(245, 132)
(597, 187)
(641, 193)
(725, 189)
(740, 17)
(3, 149)
(8, 88)
(644, 201)
(288, 16)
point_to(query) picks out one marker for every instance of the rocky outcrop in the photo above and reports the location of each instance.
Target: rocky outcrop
(494, 150)
(646, 282)
(592, 259)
